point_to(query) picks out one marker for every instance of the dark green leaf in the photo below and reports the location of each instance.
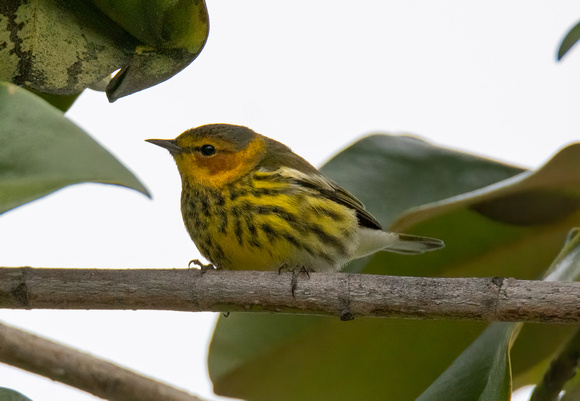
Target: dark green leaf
(61, 102)
(265, 357)
(391, 174)
(560, 373)
(10, 395)
(484, 234)
(569, 40)
(42, 151)
(481, 373)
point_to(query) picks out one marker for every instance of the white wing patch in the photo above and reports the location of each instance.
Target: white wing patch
(318, 180)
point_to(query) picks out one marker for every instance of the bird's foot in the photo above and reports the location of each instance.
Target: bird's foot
(295, 273)
(284, 268)
(203, 268)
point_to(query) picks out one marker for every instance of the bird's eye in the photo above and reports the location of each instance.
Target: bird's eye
(207, 150)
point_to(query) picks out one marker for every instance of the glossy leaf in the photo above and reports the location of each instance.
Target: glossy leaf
(481, 373)
(61, 48)
(42, 151)
(166, 24)
(58, 47)
(569, 40)
(61, 102)
(147, 68)
(172, 33)
(391, 174)
(262, 357)
(512, 228)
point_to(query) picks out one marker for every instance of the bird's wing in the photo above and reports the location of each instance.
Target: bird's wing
(281, 158)
(331, 190)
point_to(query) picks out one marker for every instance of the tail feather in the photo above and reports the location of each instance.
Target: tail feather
(372, 240)
(415, 244)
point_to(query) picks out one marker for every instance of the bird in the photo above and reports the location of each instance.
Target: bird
(249, 202)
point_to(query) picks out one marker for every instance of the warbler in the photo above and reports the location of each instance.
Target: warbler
(250, 203)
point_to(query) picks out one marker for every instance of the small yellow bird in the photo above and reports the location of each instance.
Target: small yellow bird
(250, 203)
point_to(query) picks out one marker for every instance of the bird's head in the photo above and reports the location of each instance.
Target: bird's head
(215, 154)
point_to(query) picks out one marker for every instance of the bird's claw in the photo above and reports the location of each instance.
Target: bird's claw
(295, 273)
(203, 268)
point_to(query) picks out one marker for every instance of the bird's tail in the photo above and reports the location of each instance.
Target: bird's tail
(371, 241)
(415, 244)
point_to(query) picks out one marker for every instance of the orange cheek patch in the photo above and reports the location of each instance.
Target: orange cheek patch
(227, 167)
(219, 163)
(222, 168)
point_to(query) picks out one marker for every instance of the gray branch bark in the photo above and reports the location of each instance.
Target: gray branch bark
(83, 371)
(346, 296)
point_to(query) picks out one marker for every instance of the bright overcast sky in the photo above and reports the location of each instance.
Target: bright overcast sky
(479, 76)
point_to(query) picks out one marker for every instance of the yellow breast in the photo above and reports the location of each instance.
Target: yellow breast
(262, 222)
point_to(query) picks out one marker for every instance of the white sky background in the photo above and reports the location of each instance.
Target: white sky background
(480, 76)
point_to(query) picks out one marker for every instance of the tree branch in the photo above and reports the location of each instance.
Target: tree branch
(96, 376)
(332, 294)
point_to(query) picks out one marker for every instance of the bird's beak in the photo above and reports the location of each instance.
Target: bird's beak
(169, 144)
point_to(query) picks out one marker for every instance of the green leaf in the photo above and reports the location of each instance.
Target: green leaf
(10, 395)
(566, 266)
(173, 33)
(572, 390)
(58, 47)
(482, 372)
(61, 48)
(391, 174)
(42, 151)
(166, 24)
(569, 40)
(261, 357)
(147, 68)
(61, 102)
(561, 374)
(512, 228)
